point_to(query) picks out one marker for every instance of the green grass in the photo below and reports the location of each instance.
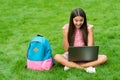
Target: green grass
(21, 20)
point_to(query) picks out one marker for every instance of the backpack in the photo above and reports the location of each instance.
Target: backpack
(39, 54)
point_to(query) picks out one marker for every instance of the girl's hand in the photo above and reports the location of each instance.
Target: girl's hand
(90, 28)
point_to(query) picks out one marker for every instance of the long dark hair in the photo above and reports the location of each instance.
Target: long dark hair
(71, 30)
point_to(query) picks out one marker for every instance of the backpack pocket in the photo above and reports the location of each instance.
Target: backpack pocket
(36, 51)
(40, 65)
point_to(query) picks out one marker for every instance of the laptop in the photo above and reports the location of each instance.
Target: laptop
(83, 53)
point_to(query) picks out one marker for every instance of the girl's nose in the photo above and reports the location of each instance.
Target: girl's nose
(78, 22)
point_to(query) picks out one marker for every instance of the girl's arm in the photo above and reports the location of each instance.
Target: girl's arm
(65, 37)
(90, 35)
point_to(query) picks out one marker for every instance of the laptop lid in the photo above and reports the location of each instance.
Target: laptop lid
(83, 53)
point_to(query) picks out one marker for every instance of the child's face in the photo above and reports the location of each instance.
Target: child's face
(78, 21)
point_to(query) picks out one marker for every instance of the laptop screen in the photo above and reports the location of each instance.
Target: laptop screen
(83, 53)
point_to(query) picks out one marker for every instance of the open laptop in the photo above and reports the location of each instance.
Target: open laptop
(83, 53)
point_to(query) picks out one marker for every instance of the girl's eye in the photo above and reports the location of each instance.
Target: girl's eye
(81, 20)
(76, 20)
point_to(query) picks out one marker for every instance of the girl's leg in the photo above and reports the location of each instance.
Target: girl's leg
(61, 59)
(101, 59)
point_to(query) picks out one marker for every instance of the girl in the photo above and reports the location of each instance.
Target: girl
(78, 33)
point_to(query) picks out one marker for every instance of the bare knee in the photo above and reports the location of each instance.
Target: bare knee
(57, 56)
(103, 58)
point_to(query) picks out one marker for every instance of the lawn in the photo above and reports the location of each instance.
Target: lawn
(22, 20)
